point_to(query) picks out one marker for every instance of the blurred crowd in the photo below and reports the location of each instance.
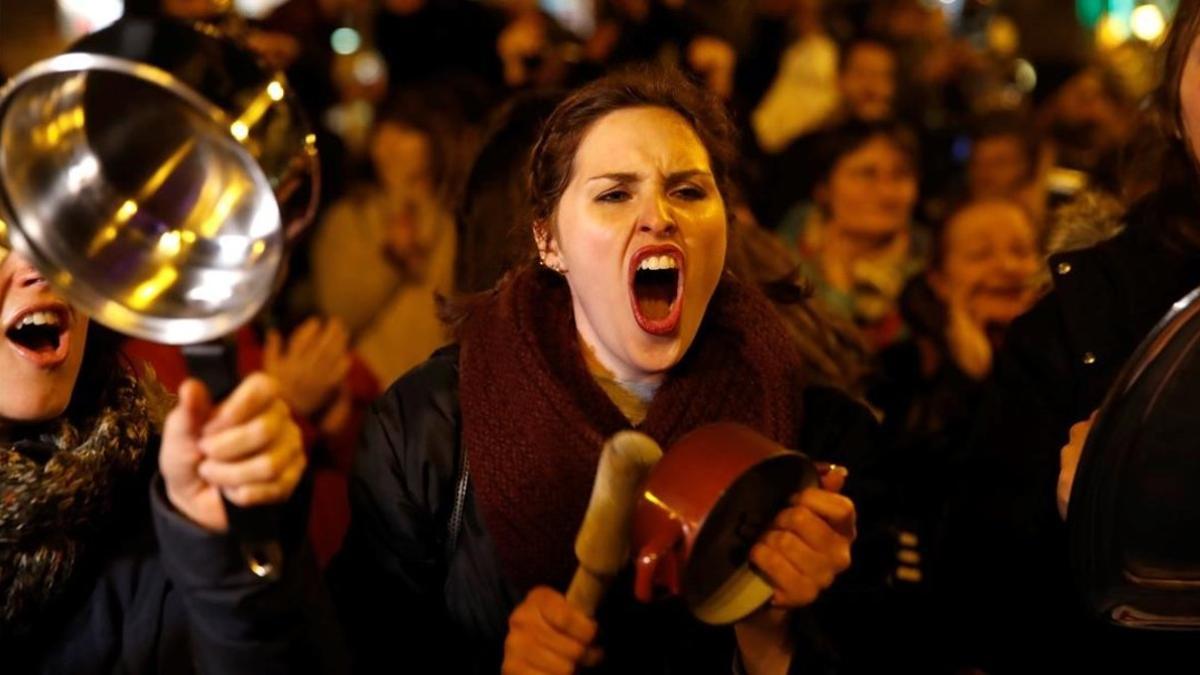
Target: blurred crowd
(912, 168)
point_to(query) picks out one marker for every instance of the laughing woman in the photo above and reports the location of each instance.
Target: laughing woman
(630, 320)
(113, 556)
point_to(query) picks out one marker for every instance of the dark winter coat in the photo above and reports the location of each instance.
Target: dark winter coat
(1019, 608)
(162, 595)
(413, 589)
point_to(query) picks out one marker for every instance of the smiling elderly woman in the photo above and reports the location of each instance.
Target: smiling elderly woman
(629, 320)
(114, 555)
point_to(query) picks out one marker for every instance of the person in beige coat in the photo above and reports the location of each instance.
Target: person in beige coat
(385, 251)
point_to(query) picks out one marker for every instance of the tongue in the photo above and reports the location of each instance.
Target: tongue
(655, 309)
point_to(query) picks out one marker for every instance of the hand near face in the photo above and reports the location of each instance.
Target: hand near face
(985, 278)
(808, 544)
(547, 636)
(248, 448)
(311, 367)
(1068, 462)
(966, 336)
(410, 233)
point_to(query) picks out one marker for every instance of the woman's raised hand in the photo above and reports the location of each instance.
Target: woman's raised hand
(310, 368)
(247, 447)
(966, 336)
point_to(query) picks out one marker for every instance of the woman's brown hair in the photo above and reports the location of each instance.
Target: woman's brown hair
(1178, 166)
(554, 153)
(102, 364)
(1175, 49)
(1160, 175)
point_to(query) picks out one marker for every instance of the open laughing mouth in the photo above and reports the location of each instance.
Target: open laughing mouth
(40, 335)
(656, 288)
(1007, 293)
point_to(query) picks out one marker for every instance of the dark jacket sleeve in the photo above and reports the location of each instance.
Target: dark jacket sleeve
(388, 578)
(240, 623)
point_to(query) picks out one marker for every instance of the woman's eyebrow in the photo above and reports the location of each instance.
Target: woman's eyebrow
(619, 177)
(631, 177)
(690, 173)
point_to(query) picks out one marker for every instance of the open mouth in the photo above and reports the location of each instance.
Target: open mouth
(1011, 293)
(656, 288)
(40, 336)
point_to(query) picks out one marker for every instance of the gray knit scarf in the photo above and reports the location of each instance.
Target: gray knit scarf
(57, 486)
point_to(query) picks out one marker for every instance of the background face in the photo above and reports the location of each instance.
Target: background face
(872, 190)
(990, 260)
(999, 166)
(868, 82)
(400, 156)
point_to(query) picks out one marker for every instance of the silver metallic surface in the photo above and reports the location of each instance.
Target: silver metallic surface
(151, 208)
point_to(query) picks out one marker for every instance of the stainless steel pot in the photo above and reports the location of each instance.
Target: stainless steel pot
(155, 172)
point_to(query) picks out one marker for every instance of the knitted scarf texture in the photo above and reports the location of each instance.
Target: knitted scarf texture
(534, 419)
(57, 486)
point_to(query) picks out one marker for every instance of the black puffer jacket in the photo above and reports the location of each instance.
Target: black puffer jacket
(1020, 611)
(165, 596)
(411, 598)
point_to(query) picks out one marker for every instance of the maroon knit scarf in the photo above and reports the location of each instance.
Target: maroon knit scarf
(534, 419)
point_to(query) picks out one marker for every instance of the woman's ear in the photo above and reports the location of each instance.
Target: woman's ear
(547, 246)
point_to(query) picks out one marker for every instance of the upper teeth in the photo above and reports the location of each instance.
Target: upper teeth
(39, 319)
(658, 262)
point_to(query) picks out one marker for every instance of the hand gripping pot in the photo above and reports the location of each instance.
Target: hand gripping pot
(153, 174)
(705, 504)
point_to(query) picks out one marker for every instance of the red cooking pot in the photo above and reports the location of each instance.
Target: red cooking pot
(705, 504)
